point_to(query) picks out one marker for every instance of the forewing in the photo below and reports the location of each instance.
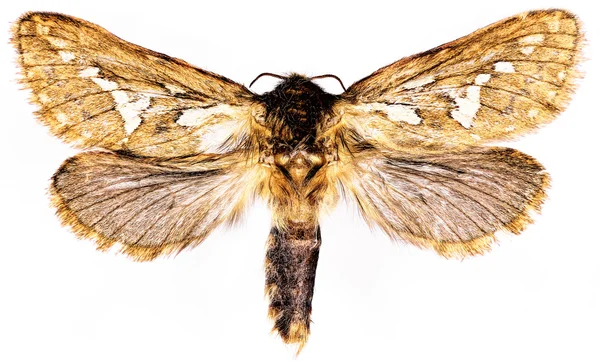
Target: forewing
(150, 207)
(497, 83)
(453, 203)
(94, 89)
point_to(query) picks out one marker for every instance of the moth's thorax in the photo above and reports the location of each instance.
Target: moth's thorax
(296, 110)
(299, 164)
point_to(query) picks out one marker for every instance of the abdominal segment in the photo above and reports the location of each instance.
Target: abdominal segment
(291, 264)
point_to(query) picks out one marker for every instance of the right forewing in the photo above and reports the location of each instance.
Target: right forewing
(496, 84)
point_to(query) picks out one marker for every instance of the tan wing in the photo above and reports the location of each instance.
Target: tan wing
(94, 89)
(452, 203)
(147, 206)
(497, 83)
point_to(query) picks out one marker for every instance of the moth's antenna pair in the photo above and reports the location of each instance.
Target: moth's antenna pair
(313, 78)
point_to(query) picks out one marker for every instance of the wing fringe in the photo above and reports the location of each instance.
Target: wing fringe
(483, 244)
(136, 252)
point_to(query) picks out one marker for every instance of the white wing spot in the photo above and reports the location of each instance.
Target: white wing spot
(482, 79)
(533, 113)
(66, 56)
(58, 42)
(551, 94)
(174, 89)
(41, 29)
(199, 116)
(62, 118)
(532, 39)
(105, 85)
(504, 67)
(120, 96)
(131, 113)
(43, 98)
(554, 26)
(215, 135)
(510, 128)
(561, 76)
(528, 50)
(467, 106)
(88, 72)
(419, 82)
(488, 56)
(397, 112)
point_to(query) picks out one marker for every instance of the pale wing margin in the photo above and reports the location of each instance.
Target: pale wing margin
(149, 207)
(498, 83)
(95, 90)
(453, 203)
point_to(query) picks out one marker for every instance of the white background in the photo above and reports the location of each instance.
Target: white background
(535, 297)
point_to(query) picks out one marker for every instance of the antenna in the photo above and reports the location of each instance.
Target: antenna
(265, 74)
(329, 76)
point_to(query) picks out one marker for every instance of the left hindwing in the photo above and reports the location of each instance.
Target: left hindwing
(148, 206)
(495, 84)
(96, 90)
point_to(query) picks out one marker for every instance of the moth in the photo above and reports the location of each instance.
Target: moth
(174, 151)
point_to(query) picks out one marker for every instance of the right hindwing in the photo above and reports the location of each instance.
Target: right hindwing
(453, 203)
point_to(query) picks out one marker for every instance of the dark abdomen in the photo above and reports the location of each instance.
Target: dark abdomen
(291, 265)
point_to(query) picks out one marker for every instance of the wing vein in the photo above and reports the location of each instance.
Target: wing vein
(452, 230)
(146, 206)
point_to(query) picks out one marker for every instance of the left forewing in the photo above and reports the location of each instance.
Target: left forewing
(495, 84)
(94, 89)
(453, 203)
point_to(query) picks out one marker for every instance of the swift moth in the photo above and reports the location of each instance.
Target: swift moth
(173, 151)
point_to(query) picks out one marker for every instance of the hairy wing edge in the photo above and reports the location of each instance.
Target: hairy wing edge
(370, 188)
(69, 183)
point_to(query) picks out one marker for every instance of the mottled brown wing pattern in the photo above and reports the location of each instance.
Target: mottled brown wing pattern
(410, 134)
(452, 203)
(147, 206)
(96, 90)
(495, 84)
(187, 150)
(181, 135)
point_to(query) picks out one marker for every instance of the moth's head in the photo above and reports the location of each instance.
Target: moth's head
(296, 107)
(290, 84)
(297, 82)
(296, 91)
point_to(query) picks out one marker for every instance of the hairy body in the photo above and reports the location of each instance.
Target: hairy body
(176, 150)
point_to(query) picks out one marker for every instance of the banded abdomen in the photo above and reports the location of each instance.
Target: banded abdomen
(291, 265)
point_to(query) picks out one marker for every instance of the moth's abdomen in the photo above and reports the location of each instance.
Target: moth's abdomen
(291, 265)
